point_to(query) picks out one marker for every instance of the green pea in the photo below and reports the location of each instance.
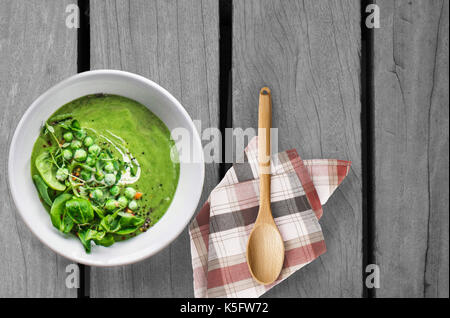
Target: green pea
(90, 161)
(62, 174)
(94, 149)
(114, 190)
(97, 195)
(132, 205)
(68, 136)
(88, 141)
(80, 134)
(109, 167)
(75, 144)
(111, 205)
(123, 202)
(86, 175)
(99, 176)
(67, 154)
(110, 179)
(130, 193)
(80, 155)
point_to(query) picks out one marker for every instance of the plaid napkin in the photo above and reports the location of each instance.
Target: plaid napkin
(220, 231)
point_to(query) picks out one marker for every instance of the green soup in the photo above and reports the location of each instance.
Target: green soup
(125, 129)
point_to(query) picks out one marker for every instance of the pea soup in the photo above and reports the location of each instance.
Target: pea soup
(105, 168)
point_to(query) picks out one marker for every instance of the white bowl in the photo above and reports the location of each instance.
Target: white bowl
(160, 102)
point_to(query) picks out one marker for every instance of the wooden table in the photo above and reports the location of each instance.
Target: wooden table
(376, 97)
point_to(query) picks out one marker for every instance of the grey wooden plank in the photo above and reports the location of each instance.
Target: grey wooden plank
(174, 43)
(411, 148)
(37, 51)
(308, 53)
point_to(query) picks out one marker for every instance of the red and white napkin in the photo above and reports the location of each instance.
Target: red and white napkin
(220, 231)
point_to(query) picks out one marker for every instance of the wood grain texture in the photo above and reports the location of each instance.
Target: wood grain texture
(411, 148)
(174, 43)
(308, 53)
(37, 51)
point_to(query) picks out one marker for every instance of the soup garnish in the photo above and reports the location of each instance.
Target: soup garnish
(88, 179)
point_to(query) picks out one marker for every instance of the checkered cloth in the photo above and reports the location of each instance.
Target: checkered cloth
(220, 231)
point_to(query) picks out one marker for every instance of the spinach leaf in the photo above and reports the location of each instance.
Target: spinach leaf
(66, 224)
(57, 212)
(48, 171)
(100, 237)
(94, 235)
(127, 230)
(110, 223)
(82, 235)
(107, 240)
(42, 188)
(80, 210)
(60, 117)
(129, 223)
(75, 125)
(128, 219)
(98, 211)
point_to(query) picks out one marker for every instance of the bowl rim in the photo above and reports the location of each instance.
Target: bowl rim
(134, 257)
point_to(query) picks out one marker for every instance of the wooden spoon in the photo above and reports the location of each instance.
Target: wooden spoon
(265, 248)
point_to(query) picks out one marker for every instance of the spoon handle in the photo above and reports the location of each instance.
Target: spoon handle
(264, 125)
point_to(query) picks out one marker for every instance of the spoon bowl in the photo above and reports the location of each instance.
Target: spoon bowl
(264, 247)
